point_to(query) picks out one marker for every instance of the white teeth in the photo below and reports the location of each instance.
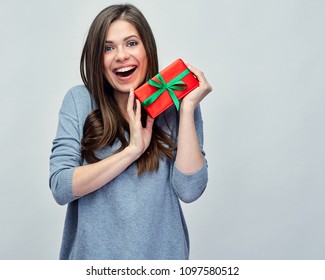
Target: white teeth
(124, 69)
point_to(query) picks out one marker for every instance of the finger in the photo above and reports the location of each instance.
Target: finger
(193, 69)
(138, 110)
(130, 104)
(201, 78)
(199, 74)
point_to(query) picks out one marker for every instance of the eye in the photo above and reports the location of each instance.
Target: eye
(108, 48)
(132, 43)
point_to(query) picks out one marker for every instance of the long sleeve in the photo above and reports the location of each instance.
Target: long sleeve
(66, 155)
(190, 187)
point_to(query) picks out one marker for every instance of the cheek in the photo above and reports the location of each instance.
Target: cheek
(106, 64)
(144, 63)
(108, 59)
(142, 56)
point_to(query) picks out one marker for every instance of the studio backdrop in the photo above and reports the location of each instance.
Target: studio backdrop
(264, 122)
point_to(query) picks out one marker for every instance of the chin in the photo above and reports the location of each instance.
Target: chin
(123, 90)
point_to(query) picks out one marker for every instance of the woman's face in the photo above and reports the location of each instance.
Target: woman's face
(125, 59)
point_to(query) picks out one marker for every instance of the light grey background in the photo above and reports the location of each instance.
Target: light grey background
(264, 121)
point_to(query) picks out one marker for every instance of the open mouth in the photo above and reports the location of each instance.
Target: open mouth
(125, 71)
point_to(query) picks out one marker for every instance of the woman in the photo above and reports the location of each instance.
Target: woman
(121, 172)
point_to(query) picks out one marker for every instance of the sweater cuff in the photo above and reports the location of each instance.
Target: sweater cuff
(62, 191)
(190, 187)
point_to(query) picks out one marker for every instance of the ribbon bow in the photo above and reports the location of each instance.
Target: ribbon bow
(174, 84)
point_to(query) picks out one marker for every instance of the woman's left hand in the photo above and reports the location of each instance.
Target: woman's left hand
(192, 99)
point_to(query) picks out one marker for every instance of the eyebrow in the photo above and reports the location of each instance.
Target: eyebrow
(125, 39)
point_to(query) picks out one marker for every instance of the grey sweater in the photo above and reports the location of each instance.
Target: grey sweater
(131, 217)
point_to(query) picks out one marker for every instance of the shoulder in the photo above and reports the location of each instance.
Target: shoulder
(79, 94)
(78, 99)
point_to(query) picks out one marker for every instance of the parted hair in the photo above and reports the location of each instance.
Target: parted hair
(106, 124)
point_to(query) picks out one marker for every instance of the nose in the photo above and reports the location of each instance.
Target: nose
(121, 54)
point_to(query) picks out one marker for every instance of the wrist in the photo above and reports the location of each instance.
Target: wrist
(187, 108)
(132, 152)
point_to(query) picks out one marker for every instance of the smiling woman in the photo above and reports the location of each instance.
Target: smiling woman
(121, 172)
(125, 59)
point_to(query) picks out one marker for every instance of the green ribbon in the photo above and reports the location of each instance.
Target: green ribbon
(174, 84)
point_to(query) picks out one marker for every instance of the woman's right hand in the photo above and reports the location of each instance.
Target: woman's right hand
(90, 177)
(140, 136)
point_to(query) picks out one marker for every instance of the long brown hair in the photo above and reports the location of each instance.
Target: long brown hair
(105, 125)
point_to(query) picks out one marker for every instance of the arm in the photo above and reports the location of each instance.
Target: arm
(89, 178)
(189, 158)
(190, 174)
(68, 179)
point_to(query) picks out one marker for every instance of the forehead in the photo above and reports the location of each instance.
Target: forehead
(120, 29)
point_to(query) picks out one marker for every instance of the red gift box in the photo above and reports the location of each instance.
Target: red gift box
(166, 88)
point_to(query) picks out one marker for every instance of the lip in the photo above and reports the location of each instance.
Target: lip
(129, 67)
(121, 78)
